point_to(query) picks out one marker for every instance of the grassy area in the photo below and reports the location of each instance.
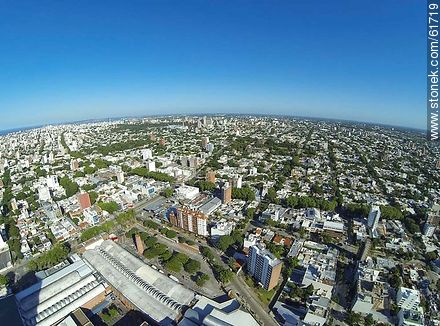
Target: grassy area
(109, 314)
(249, 281)
(264, 295)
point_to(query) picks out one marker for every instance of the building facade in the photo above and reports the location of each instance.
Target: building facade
(190, 220)
(264, 266)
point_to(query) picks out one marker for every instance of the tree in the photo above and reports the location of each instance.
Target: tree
(192, 266)
(40, 172)
(207, 253)
(89, 170)
(151, 225)
(369, 321)
(78, 174)
(180, 257)
(3, 280)
(93, 196)
(206, 185)
(271, 194)
(167, 192)
(224, 242)
(225, 276)
(89, 187)
(166, 255)
(50, 258)
(292, 201)
(154, 251)
(309, 290)
(173, 265)
(170, 234)
(353, 318)
(109, 207)
(244, 193)
(250, 213)
(158, 176)
(391, 212)
(70, 187)
(125, 218)
(394, 278)
(101, 164)
(150, 241)
(432, 255)
(232, 262)
(201, 279)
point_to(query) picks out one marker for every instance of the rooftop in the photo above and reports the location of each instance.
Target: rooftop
(153, 293)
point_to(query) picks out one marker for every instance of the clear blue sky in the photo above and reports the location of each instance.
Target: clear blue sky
(65, 60)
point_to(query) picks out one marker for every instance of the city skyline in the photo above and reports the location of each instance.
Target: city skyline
(97, 61)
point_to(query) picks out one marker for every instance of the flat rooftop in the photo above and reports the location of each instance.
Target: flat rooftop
(153, 293)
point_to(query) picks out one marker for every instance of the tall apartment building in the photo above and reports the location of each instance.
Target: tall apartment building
(151, 166)
(120, 176)
(226, 193)
(264, 266)
(139, 244)
(210, 176)
(205, 142)
(74, 165)
(190, 220)
(432, 221)
(373, 218)
(236, 181)
(147, 154)
(408, 299)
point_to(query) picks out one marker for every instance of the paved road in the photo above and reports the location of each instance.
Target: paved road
(140, 205)
(248, 297)
(251, 302)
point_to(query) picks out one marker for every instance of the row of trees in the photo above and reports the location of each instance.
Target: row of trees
(13, 234)
(205, 185)
(172, 261)
(244, 193)
(123, 218)
(225, 241)
(92, 232)
(307, 202)
(220, 273)
(109, 207)
(50, 258)
(158, 176)
(69, 186)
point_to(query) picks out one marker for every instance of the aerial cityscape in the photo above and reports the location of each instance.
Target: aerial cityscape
(214, 163)
(235, 220)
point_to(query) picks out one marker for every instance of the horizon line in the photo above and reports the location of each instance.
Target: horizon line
(4, 132)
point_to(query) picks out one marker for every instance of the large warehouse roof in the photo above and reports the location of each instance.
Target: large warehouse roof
(53, 298)
(151, 292)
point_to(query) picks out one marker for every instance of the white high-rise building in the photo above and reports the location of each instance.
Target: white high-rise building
(408, 299)
(147, 154)
(120, 176)
(151, 166)
(432, 221)
(52, 182)
(264, 266)
(50, 158)
(373, 217)
(44, 194)
(239, 181)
